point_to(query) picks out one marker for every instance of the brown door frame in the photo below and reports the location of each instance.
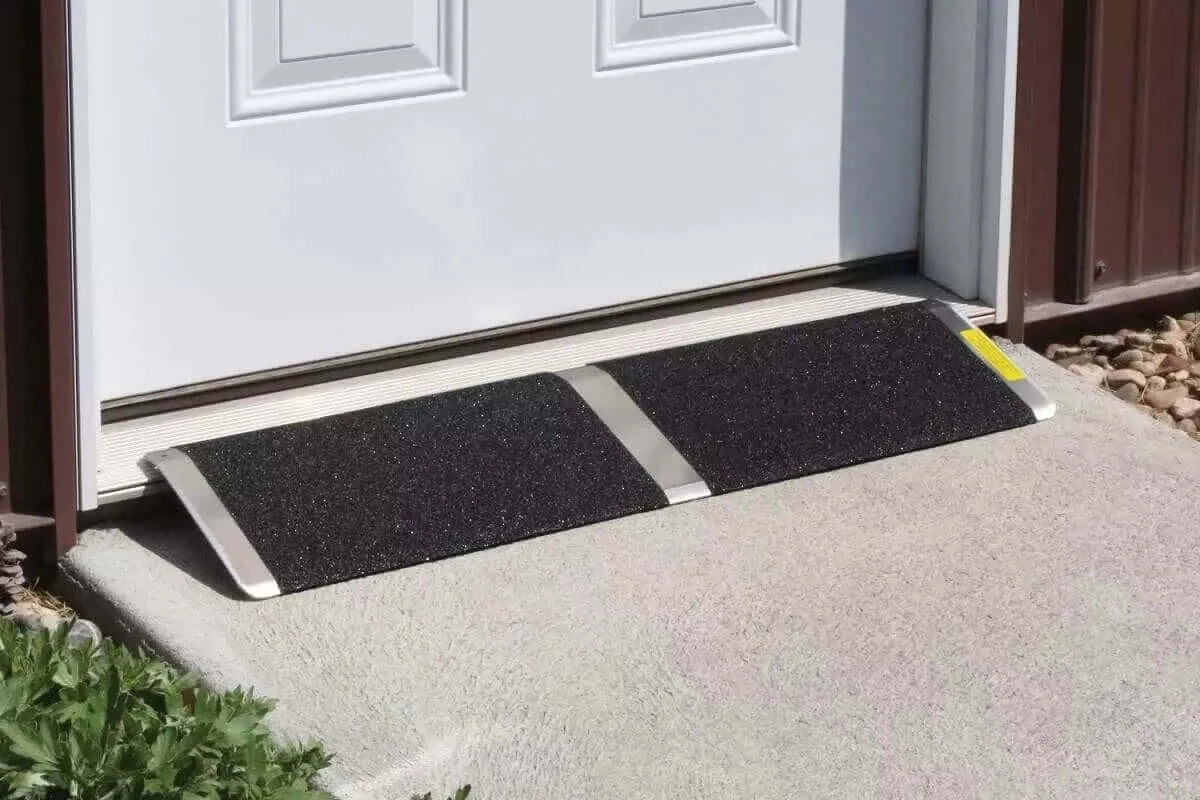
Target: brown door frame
(60, 270)
(38, 413)
(1037, 147)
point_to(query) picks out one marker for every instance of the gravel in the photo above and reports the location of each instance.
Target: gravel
(1158, 370)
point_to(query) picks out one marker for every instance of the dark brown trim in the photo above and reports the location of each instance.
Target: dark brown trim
(1070, 279)
(17, 72)
(1191, 176)
(1140, 136)
(60, 272)
(1173, 287)
(24, 346)
(1035, 155)
(5, 455)
(1137, 306)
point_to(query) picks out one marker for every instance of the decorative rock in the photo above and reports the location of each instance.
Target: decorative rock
(1172, 363)
(1103, 342)
(1128, 357)
(1163, 399)
(1140, 339)
(1092, 373)
(1185, 408)
(1158, 370)
(12, 579)
(1086, 357)
(1129, 393)
(1056, 351)
(1176, 348)
(80, 631)
(1120, 377)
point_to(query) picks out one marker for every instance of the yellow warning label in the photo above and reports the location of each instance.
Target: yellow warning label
(989, 352)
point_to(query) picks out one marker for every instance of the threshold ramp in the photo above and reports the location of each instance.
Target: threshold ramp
(328, 500)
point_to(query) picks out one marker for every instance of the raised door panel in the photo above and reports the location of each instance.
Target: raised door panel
(289, 56)
(633, 33)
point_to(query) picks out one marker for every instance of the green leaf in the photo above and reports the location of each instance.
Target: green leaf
(14, 695)
(23, 781)
(67, 674)
(103, 723)
(27, 744)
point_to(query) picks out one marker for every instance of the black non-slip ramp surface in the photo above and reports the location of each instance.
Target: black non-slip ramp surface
(318, 502)
(388, 487)
(763, 407)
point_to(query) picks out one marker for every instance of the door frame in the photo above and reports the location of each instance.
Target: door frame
(39, 420)
(971, 87)
(965, 209)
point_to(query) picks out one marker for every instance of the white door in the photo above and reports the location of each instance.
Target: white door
(264, 183)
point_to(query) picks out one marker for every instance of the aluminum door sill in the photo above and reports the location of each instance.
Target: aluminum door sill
(125, 473)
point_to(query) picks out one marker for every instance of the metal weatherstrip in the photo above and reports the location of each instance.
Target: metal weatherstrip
(989, 353)
(640, 436)
(215, 522)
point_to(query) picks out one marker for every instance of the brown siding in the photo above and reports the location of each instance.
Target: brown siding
(1138, 192)
(1191, 174)
(1035, 156)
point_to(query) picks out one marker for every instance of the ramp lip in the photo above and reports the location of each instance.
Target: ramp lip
(1043, 407)
(227, 538)
(687, 492)
(637, 433)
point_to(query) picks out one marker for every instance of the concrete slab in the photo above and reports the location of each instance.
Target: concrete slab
(1017, 615)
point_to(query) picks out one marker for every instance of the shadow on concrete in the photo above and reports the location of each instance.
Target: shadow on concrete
(173, 537)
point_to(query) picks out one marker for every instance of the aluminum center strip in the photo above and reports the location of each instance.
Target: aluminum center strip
(640, 436)
(215, 522)
(1042, 406)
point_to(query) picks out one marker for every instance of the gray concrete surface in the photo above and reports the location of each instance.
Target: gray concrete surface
(1012, 616)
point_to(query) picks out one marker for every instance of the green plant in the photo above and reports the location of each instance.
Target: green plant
(102, 723)
(461, 794)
